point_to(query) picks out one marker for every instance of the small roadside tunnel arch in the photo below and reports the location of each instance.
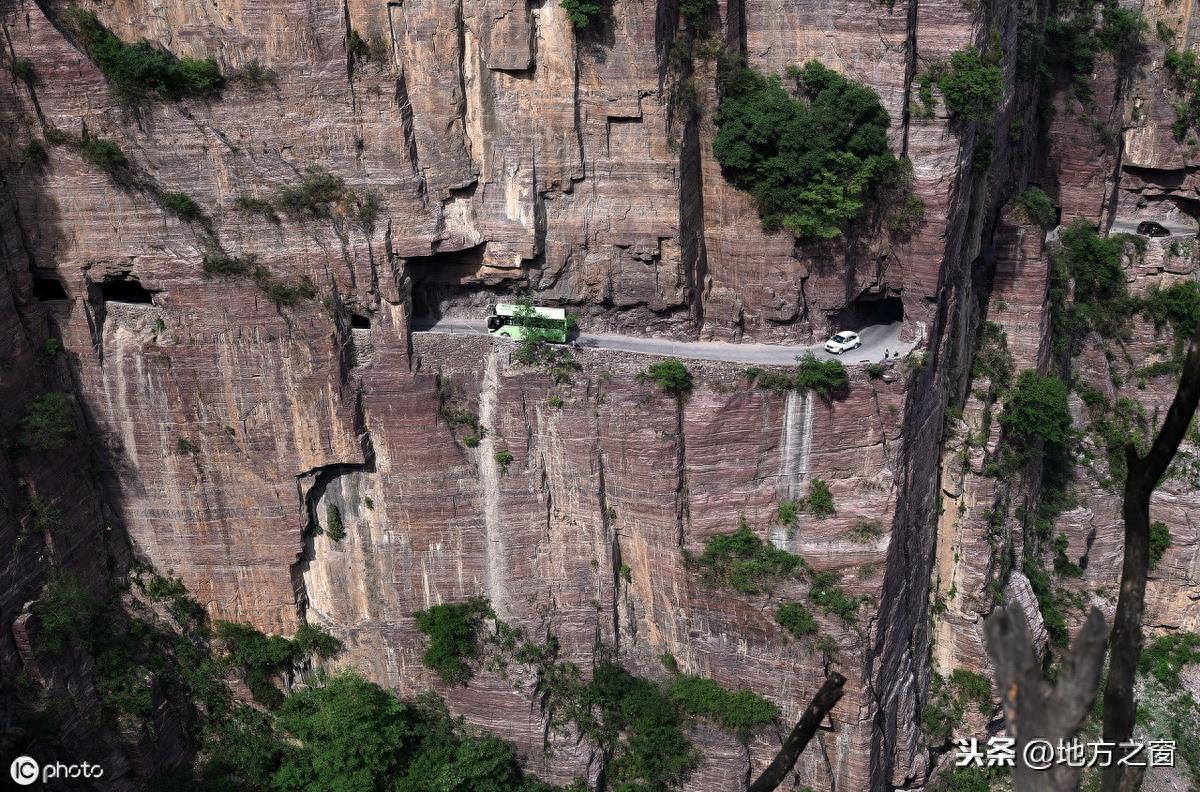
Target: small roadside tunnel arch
(868, 310)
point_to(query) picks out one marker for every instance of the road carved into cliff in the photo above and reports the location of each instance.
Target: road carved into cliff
(877, 339)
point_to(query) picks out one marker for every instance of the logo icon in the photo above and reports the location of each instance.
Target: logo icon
(24, 770)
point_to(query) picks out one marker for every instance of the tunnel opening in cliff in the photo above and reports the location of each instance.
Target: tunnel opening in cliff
(458, 282)
(47, 289)
(126, 290)
(359, 322)
(869, 309)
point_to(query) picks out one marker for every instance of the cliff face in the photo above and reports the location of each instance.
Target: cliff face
(508, 151)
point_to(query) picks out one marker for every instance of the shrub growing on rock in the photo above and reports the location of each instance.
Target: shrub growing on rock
(333, 523)
(182, 205)
(744, 562)
(812, 162)
(796, 619)
(826, 377)
(452, 630)
(581, 12)
(1160, 540)
(738, 712)
(142, 71)
(104, 154)
(670, 375)
(313, 194)
(48, 423)
(1037, 207)
(971, 85)
(819, 500)
(1037, 408)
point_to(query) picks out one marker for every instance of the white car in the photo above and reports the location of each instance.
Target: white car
(843, 342)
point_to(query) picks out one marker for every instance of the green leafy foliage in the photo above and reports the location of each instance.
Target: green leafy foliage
(819, 500)
(973, 687)
(1165, 656)
(1101, 300)
(866, 531)
(263, 656)
(993, 361)
(22, 69)
(251, 205)
(287, 292)
(785, 512)
(670, 375)
(744, 562)
(737, 712)
(636, 722)
(333, 523)
(1177, 305)
(217, 263)
(66, 612)
(313, 194)
(908, 215)
(452, 630)
(826, 377)
(971, 85)
(1052, 615)
(1120, 31)
(829, 596)
(142, 71)
(1038, 207)
(581, 12)
(1160, 540)
(812, 162)
(1183, 68)
(104, 154)
(47, 424)
(1063, 565)
(697, 12)
(504, 459)
(1037, 408)
(182, 205)
(34, 153)
(942, 711)
(796, 619)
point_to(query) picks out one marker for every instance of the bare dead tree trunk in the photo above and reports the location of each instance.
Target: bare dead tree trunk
(1032, 709)
(1143, 475)
(805, 728)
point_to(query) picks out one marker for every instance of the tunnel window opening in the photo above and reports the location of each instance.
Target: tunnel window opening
(446, 281)
(126, 291)
(868, 310)
(359, 322)
(46, 289)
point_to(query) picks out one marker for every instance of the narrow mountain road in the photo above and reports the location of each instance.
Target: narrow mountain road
(1129, 226)
(875, 340)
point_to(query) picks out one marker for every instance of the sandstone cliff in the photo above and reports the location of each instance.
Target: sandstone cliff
(508, 151)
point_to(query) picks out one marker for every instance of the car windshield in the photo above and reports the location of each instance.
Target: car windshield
(843, 337)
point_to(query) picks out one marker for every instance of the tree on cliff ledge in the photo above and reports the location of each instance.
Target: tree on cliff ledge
(812, 161)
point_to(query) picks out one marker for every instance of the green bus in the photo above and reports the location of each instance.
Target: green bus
(516, 322)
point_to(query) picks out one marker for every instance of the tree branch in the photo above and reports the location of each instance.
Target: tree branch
(1034, 710)
(1144, 473)
(805, 728)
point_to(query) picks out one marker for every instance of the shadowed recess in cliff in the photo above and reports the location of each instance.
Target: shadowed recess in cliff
(125, 290)
(45, 289)
(869, 309)
(450, 278)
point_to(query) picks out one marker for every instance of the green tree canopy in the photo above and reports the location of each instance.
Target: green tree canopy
(813, 160)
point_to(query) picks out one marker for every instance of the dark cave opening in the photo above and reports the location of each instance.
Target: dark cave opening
(452, 278)
(126, 291)
(359, 322)
(869, 309)
(45, 289)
